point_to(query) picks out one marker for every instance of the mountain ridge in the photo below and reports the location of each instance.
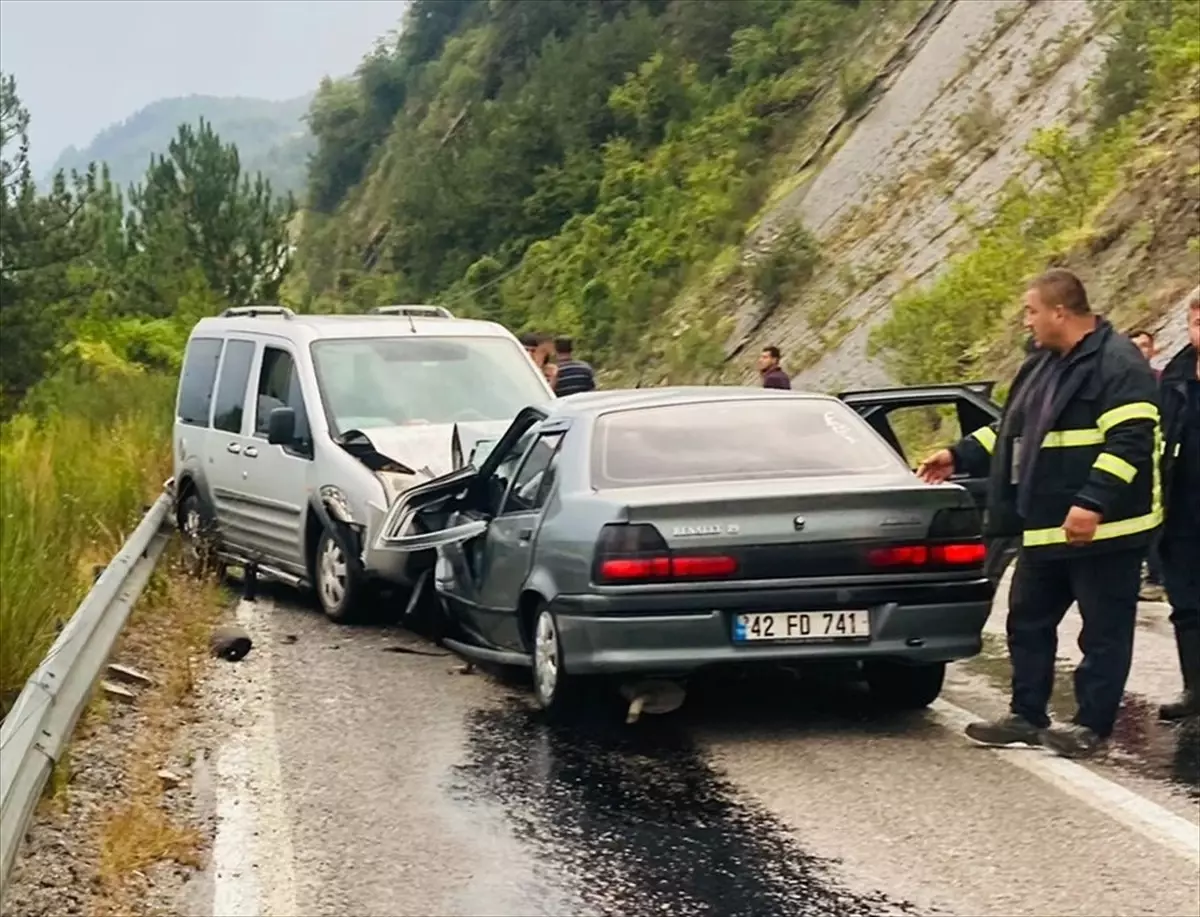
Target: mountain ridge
(272, 137)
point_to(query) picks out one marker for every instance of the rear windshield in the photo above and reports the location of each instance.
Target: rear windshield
(386, 382)
(733, 441)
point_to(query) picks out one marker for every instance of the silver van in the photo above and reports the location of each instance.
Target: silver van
(294, 434)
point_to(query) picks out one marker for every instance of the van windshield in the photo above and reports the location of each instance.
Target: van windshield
(390, 381)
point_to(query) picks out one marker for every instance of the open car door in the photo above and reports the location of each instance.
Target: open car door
(916, 420)
(421, 517)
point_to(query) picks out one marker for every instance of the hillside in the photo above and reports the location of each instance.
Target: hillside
(271, 137)
(865, 183)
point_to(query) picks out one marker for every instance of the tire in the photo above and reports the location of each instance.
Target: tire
(340, 586)
(197, 530)
(554, 689)
(898, 686)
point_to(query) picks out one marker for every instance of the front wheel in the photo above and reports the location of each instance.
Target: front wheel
(904, 687)
(555, 690)
(339, 583)
(197, 529)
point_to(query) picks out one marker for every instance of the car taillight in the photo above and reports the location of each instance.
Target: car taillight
(636, 553)
(959, 555)
(918, 555)
(914, 555)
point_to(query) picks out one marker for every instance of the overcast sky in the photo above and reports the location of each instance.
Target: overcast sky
(81, 65)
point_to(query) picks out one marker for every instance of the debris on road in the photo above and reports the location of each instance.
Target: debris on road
(118, 692)
(129, 674)
(230, 643)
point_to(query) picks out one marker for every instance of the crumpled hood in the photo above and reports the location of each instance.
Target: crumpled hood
(426, 448)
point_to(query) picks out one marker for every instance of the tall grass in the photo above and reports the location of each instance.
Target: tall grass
(76, 471)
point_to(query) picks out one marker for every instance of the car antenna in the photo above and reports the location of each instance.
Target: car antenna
(412, 326)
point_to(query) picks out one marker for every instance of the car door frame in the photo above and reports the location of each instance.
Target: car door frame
(455, 490)
(499, 619)
(875, 403)
(270, 539)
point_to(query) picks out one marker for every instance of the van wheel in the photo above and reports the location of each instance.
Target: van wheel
(555, 690)
(340, 586)
(904, 687)
(197, 530)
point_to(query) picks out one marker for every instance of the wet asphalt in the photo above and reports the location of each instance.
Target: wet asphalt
(407, 787)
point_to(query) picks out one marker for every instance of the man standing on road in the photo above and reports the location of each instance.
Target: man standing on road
(1179, 545)
(1073, 470)
(770, 369)
(573, 375)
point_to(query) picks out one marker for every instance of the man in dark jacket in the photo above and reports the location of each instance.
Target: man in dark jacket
(574, 376)
(1072, 471)
(770, 369)
(1179, 546)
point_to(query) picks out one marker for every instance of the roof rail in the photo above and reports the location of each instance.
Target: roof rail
(426, 311)
(255, 311)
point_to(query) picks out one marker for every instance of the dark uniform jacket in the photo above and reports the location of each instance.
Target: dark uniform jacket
(1097, 444)
(1181, 446)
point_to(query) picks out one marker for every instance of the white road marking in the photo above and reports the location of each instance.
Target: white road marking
(1147, 818)
(252, 857)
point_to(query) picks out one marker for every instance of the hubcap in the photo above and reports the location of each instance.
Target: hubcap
(191, 523)
(545, 652)
(332, 574)
(193, 547)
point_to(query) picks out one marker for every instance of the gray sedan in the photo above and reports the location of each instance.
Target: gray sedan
(658, 532)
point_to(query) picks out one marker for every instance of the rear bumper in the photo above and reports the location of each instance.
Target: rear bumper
(677, 634)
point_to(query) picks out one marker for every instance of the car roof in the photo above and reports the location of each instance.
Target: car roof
(591, 404)
(303, 328)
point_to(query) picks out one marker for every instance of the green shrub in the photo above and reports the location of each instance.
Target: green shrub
(74, 481)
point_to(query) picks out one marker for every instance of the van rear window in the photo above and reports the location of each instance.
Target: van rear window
(771, 437)
(197, 381)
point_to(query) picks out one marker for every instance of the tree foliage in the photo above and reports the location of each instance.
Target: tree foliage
(90, 279)
(566, 162)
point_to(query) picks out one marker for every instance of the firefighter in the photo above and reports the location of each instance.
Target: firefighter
(1072, 470)
(1179, 546)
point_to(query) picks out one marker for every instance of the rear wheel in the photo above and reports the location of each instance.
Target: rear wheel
(904, 687)
(555, 690)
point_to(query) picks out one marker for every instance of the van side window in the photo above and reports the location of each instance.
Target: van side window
(278, 387)
(231, 390)
(197, 380)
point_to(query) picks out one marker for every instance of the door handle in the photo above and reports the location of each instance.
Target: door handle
(234, 448)
(251, 452)
(524, 535)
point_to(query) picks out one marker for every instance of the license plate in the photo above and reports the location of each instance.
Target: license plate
(801, 626)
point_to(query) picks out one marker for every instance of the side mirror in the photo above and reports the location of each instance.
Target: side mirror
(281, 427)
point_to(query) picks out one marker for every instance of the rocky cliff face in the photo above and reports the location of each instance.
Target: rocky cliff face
(947, 125)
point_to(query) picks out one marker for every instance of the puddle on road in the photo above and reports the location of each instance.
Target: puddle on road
(1140, 742)
(640, 823)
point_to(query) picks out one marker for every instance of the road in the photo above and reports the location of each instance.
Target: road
(359, 771)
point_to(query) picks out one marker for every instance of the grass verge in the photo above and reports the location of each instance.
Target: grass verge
(77, 470)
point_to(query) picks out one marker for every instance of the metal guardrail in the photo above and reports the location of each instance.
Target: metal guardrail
(39, 726)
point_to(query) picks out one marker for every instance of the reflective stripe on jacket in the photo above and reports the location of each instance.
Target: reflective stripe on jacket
(1100, 452)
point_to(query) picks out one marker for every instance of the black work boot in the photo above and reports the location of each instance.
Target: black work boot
(1187, 642)
(1007, 730)
(1070, 740)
